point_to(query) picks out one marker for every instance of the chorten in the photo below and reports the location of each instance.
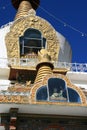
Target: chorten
(36, 90)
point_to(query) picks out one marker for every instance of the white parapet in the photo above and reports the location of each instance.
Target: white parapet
(78, 78)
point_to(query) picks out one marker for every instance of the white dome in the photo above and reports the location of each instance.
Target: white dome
(3, 31)
(3, 51)
(4, 69)
(65, 53)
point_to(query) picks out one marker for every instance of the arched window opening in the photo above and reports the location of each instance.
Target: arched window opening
(41, 94)
(57, 90)
(31, 42)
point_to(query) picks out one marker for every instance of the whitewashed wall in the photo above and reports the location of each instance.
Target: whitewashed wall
(65, 53)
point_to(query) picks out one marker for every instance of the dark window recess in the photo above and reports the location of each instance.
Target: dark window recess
(42, 93)
(73, 96)
(31, 42)
(57, 90)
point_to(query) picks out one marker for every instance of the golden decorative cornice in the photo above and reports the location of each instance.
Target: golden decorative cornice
(14, 99)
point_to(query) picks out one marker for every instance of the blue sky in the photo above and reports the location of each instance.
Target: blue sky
(72, 12)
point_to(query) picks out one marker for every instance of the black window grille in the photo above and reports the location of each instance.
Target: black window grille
(31, 42)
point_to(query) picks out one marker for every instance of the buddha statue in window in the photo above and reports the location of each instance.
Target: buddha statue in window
(57, 95)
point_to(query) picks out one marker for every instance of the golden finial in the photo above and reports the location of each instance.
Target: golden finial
(24, 6)
(44, 56)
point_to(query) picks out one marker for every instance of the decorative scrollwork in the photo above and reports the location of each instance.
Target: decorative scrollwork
(18, 28)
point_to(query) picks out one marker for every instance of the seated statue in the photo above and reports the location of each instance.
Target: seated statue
(57, 95)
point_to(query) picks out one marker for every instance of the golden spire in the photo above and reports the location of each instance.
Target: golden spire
(24, 6)
(45, 66)
(23, 9)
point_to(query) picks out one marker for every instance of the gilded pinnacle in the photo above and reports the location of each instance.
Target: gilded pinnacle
(34, 3)
(23, 7)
